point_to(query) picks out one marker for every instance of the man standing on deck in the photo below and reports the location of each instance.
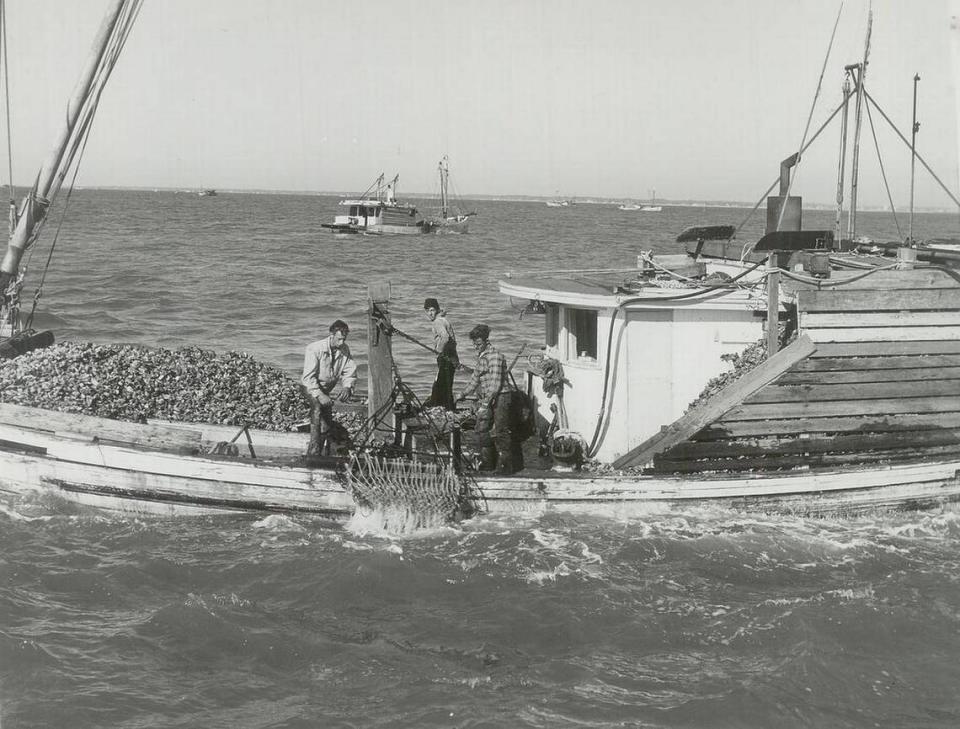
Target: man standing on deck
(326, 364)
(497, 431)
(445, 344)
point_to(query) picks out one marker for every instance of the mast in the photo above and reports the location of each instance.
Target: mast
(913, 153)
(857, 125)
(36, 203)
(34, 206)
(444, 172)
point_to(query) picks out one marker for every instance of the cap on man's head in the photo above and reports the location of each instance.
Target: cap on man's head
(431, 304)
(339, 326)
(480, 331)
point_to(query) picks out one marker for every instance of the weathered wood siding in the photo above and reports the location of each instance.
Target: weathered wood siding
(882, 386)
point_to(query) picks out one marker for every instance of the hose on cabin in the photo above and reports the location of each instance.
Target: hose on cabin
(595, 440)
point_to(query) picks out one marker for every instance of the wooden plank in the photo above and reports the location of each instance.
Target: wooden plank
(881, 334)
(159, 437)
(774, 445)
(714, 407)
(864, 300)
(853, 391)
(885, 348)
(886, 280)
(870, 374)
(893, 362)
(824, 460)
(811, 425)
(853, 319)
(769, 411)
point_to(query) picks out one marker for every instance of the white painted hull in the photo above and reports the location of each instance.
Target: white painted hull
(34, 463)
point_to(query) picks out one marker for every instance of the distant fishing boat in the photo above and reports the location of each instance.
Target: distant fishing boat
(207, 193)
(630, 206)
(652, 206)
(377, 212)
(449, 220)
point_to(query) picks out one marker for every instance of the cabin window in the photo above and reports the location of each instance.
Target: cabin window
(552, 323)
(354, 210)
(581, 333)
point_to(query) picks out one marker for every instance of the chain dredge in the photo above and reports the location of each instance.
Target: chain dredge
(416, 494)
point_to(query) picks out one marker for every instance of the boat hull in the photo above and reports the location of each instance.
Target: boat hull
(91, 473)
(376, 229)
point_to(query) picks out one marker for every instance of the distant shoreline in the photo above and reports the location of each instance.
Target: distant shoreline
(508, 198)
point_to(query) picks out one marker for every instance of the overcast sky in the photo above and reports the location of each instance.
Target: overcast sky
(697, 99)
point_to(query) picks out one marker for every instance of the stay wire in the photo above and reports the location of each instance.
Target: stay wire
(883, 172)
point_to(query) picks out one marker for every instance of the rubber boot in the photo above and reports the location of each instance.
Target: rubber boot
(488, 458)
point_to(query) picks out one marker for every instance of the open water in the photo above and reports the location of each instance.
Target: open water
(704, 618)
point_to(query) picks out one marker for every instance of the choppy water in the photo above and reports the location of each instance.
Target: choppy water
(708, 618)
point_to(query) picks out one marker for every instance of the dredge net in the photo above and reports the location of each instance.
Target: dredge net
(407, 494)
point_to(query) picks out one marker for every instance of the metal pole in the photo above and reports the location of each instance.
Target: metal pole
(913, 153)
(843, 159)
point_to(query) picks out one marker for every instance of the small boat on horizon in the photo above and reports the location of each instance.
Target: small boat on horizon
(207, 193)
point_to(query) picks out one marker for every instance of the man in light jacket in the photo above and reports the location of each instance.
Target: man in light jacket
(327, 363)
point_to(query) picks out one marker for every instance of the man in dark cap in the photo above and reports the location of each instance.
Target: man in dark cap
(326, 364)
(445, 344)
(496, 429)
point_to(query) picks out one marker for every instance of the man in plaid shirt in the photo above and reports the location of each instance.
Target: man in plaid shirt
(496, 429)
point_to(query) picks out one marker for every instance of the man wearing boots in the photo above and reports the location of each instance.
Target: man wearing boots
(496, 430)
(327, 363)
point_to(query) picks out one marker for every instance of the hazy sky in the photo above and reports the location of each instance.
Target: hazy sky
(697, 99)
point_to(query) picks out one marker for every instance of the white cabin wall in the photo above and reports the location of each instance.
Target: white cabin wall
(661, 360)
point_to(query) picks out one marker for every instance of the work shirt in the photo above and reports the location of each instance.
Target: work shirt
(325, 366)
(442, 332)
(488, 376)
(444, 339)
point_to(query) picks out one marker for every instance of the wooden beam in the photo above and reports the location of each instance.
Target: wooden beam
(885, 422)
(715, 407)
(885, 348)
(161, 437)
(826, 460)
(379, 350)
(890, 389)
(903, 362)
(886, 334)
(871, 374)
(862, 301)
(841, 408)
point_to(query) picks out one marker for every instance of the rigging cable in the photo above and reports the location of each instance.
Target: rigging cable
(904, 139)
(806, 129)
(883, 173)
(747, 248)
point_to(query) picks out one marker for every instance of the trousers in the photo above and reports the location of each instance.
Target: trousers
(498, 435)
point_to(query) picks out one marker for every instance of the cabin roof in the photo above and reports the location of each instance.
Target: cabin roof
(592, 285)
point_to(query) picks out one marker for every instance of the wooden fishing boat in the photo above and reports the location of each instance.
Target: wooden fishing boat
(450, 218)
(856, 404)
(378, 212)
